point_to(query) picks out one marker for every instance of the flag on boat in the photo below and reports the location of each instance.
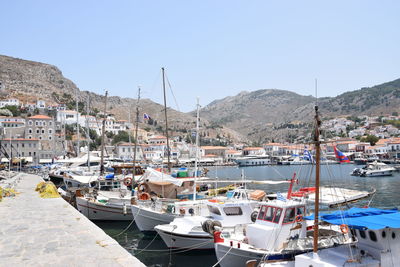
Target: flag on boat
(307, 155)
(280, 197)
(340, 155)
(146, 116)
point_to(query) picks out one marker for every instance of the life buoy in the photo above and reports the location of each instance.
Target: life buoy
(127, 181)
(344, 228)
(299, 218)
(144, 196)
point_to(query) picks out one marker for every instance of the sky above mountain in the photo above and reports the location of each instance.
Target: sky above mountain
(210, 49)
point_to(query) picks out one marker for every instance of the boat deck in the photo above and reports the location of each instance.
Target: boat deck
(49, 232)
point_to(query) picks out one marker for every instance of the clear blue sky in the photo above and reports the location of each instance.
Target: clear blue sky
(210, 48)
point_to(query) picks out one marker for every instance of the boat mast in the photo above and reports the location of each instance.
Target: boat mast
(317, 143)
(166, 120)
(103, 130)
(197, 149)
(77, 124)
(87, 133)
(136, 134)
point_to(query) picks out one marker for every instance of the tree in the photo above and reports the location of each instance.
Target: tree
(14, 110)
(122, 136)
(395, 113)
(372, 139)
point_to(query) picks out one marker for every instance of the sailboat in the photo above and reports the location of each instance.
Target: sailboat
(151, 211)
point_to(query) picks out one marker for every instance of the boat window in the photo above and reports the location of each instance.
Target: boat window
(383, 234)
(289, 215)
(362, 234)
(300, 211)
(269, 215)
(393, 235)
(372, 236)
(277, 215)
(233, 211)
(213, 210)
(262, 212)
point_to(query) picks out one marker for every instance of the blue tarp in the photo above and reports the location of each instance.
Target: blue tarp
(360, 218)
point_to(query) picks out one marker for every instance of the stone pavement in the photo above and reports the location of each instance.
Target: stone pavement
(50, 232)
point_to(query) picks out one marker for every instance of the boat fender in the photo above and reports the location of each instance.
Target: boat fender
(191, 211)
(127, 181)
(182, 211)
(344, 228)
(253, 216)
(125, 211)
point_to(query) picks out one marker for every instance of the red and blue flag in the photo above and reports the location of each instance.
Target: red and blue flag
(340, 155)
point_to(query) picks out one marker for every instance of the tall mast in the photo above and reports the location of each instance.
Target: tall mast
(77, 124)
(166, 118)
(136, 133)
(317, 143)
(197, 149)
(87, 133)
(103, 130)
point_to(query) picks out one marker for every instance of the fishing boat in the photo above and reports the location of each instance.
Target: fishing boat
(109, 199)
(374, 169)
(280, 231)
(194, 231)
(377, 232)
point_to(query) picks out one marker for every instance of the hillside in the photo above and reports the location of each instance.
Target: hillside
(29, 81)
(271, 114)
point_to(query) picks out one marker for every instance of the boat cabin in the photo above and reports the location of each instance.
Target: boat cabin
(276, 222)
(232, 213)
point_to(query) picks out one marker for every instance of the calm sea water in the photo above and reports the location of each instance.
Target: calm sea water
(152, 251)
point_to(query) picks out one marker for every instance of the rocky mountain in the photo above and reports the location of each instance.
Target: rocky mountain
(272, 114)
(256, 116)
(30, 81)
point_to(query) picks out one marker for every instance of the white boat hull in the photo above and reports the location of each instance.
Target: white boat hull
(147, 219)
(232, 256)
(194, 241)
(99, 211)
(377, 173)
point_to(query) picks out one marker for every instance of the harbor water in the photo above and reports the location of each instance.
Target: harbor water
(152, 251)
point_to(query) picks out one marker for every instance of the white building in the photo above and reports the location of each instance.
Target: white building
(67, 116)
(9, 102)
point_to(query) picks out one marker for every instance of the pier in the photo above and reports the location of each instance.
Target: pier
(39, 231)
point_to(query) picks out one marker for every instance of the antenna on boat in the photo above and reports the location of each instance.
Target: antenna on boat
(316, 92)
(197, 149)
(136, 134)
(166, 118)
(87, 132)
(103, 129)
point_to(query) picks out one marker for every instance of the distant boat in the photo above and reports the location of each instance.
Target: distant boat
(374, 169)
(253, 161)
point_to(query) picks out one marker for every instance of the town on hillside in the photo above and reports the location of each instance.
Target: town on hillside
(43, 132)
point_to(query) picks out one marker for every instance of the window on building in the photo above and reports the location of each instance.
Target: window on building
(50, 123)
(36, 123)
(50, 131)
(30, 122)
(44, 123)
(42, 131)
(37, 131)
(30, 130)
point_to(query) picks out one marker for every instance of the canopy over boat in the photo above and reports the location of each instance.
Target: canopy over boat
(363, 218)
(155, 176)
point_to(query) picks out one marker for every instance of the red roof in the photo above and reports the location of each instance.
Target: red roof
(43, 117)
